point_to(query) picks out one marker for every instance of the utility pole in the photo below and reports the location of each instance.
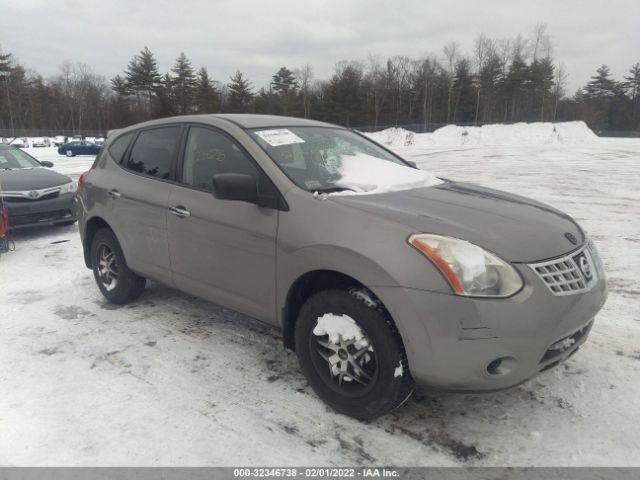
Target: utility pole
(6, 84)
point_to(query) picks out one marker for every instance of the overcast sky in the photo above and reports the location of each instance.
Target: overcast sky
(257, 37)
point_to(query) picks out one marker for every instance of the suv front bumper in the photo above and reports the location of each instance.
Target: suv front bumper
(460, 343)
(61, 209)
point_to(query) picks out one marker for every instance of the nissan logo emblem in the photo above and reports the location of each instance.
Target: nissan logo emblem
(585, 267)
(571, 237)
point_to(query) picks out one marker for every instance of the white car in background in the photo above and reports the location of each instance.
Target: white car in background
(40, 142)
(19, 142)
(59, 140)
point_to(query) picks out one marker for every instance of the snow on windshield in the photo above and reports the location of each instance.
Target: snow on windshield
(366, 174)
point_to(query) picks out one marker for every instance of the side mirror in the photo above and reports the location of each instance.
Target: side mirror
(235, 186)
(46, 163)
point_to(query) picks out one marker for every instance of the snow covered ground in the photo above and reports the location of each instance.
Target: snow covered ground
(171, 380)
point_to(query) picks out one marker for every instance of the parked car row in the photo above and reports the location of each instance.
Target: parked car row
(57, 141)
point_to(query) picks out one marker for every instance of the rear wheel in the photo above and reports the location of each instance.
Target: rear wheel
(114, 278)
(352, 354)
(69, 153)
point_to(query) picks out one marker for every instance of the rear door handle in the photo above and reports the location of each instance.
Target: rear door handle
(115, 194)
(180, 212)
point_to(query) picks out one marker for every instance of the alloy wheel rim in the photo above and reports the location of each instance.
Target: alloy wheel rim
(346, 364)
(107, 267)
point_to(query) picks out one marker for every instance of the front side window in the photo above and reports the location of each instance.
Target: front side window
(153, 151)
(210, 153)
(333, 159)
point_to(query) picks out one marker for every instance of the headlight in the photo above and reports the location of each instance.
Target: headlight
(68, 188)
(469, 269)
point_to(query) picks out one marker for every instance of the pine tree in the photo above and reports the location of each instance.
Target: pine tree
(285, 86)
(463, 108)
(345, 100)
(5, 62)
(183, 84)
(240, 93)
(207, 98)
(284, 81)
(514, 84)
(166, 103)
(601, 85)
(120, 86)
(632, 86)
(143, 78)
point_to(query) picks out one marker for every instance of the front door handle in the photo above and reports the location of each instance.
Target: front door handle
(115, 194)
(180, 212)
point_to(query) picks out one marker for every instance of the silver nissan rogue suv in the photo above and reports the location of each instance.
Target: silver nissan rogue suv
(379, 274)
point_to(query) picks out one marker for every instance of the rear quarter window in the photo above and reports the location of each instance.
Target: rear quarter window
(119, 146)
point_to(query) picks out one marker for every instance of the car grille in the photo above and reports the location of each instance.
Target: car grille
(574, 273)
(48, 196)
(570, 342)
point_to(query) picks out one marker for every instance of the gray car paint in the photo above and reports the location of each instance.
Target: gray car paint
(248, 257)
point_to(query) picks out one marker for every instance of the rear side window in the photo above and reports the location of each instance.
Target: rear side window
(153, 151)
(119, 146)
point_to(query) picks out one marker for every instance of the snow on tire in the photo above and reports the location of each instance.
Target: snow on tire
(352, 354)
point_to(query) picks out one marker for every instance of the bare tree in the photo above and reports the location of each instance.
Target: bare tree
(451, 54)
(304, 75)
(560, 83)
(483, 48)
(378, 82)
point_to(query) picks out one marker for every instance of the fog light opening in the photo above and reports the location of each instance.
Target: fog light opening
(501, 366)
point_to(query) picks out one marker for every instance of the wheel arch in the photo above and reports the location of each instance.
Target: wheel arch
(315, 281)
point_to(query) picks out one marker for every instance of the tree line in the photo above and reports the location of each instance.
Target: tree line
(499, 81)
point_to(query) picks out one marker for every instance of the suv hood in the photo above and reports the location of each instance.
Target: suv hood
(516, 228)
(20, 179)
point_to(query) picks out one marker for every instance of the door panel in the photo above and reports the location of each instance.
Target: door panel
(223, 250)
(141, 219)
(138, 200)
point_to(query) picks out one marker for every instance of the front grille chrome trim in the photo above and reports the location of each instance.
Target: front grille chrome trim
(564, 276)
(32, 195)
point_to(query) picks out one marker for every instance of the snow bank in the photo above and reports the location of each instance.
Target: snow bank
(394, 137)
(530, 134)
(365, 174)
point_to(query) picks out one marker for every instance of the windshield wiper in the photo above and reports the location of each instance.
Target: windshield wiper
(332, 190)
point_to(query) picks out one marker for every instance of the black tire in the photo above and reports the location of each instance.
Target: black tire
(128, 285)
(69, 153)
(386, 387)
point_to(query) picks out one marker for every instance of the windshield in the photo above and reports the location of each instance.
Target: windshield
(332, 160)
(16, 158)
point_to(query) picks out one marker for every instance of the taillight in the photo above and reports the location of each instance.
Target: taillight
(81, 180)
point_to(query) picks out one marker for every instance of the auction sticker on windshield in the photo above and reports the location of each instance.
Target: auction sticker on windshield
(279, 136)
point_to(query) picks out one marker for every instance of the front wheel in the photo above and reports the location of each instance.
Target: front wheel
(115, 280)
(69, 153)
(352, 354)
